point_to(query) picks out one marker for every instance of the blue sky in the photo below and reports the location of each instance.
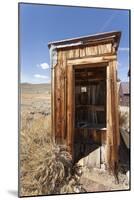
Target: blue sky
(40, 24)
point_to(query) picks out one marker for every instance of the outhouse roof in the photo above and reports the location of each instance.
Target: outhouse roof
(113, 37)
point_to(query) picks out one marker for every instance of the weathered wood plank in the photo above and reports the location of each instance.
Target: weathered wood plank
(88, 51)
(53, 73)
(112, 147)
(82, 52)
(63, 94)
(70, 107)
(99, 59)
(115, 114)
(76, 53)
(98, 49)
(109, 125)
(57, 103)
(116, 101)
(60, 98)
(108, 48)
(70, 53)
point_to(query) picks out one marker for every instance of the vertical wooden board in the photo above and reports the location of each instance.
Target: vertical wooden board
(70, 53)
(82, 52)
(94, 50)
(63, 94)
(58, 100)
(70, 108)
(104, 48)
(117, 101)
(109, 108)
(103, 137)
(113, 117)
(113, 49)
(113, 149)
(109, 119)
(108, 48)
(99, 49)
(76, 53)
(96, 136)
(91, 51)
(113, 109)
(53, 72)
(88, 51)
(115, 112)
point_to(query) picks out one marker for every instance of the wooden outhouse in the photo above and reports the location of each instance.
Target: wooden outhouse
(84, 97)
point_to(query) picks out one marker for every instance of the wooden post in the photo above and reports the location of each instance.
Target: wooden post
(63, 95)
(109, 120)
(112, 119)
(58, 99)
(115, 119)
(53, 102)
(70, 107)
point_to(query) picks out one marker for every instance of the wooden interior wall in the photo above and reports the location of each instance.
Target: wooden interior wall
(63, 88)
(89, 142)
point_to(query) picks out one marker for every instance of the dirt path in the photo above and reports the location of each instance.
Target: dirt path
(94, 180)
(92, 186)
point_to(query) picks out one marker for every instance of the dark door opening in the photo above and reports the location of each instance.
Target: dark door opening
(90, 109)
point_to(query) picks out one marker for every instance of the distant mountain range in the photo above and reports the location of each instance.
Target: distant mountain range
(30, 88)
(26, 83)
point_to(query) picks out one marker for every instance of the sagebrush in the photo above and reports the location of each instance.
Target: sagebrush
(45, 168)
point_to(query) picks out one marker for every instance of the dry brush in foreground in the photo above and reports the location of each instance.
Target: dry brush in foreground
(45, 168)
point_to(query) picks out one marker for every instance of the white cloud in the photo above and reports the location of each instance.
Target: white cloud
(43, 66)
(123, 49)
(41, 76)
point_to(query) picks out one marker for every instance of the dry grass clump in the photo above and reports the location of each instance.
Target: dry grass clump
(45, 168)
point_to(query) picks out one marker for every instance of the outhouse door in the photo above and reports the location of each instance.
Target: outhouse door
(92, 118)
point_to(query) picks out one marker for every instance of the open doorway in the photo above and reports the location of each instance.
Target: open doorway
(90, 110)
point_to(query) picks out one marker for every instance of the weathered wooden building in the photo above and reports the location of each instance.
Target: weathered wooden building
(84, 96)
(124, 94)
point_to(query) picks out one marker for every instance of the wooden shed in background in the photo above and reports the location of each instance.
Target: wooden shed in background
(84, 97)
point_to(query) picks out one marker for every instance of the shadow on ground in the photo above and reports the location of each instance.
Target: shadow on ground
(13, 192)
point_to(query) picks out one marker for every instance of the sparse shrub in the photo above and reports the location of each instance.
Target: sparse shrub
(45, 168)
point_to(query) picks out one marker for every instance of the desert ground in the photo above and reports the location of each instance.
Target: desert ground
(43, 163)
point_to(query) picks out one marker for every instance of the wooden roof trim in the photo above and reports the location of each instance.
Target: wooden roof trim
(87, 43)
(90, 38)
